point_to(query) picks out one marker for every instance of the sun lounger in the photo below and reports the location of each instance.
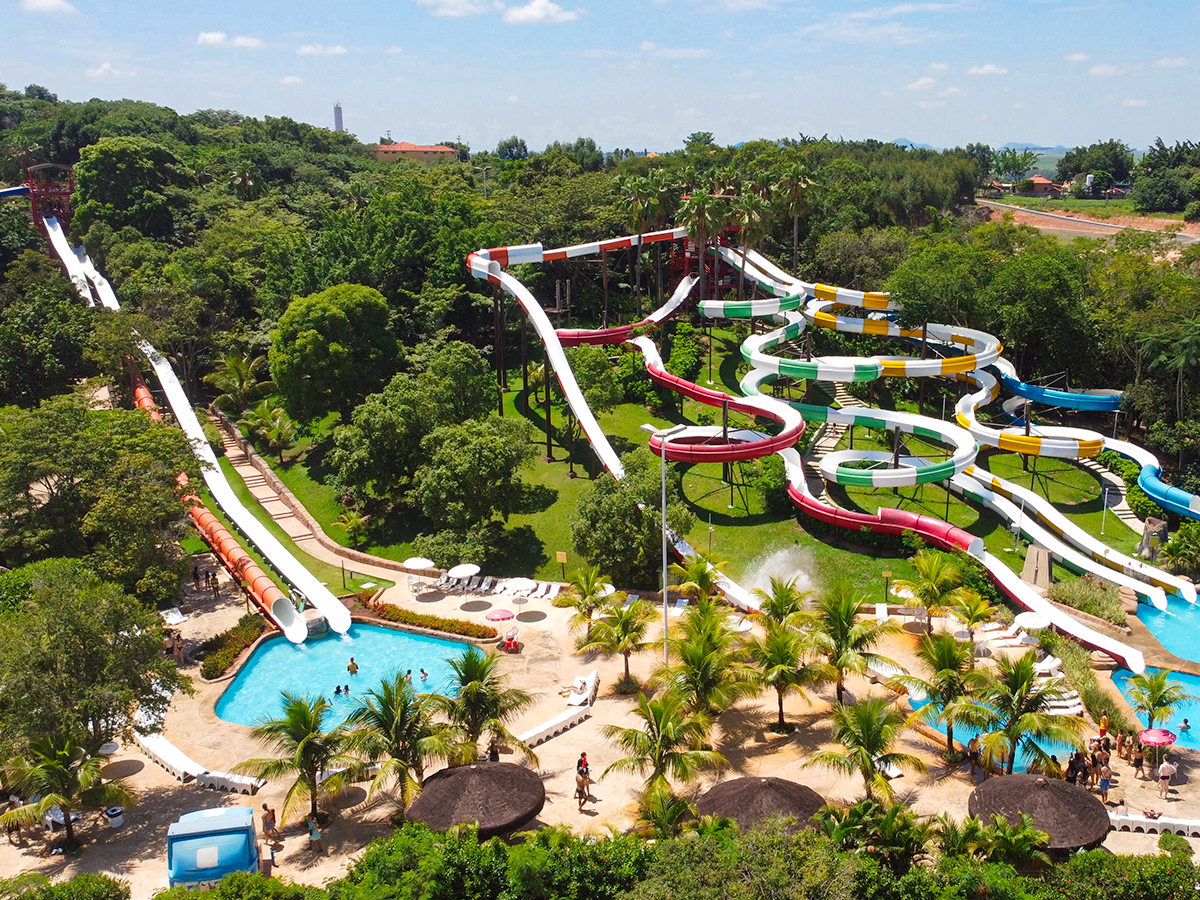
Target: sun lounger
(1011, 642)
(989, 628)
(486, 586)
(739, 624)
(1048, 666)
(881, 613)
(891, 771)
(172, 616)
(443, 582)
(500, 583)
(1073, 710)
(540, 591)
(679, 607)
(591, 687)
(162, 752)
(630, 599)
(554, 591)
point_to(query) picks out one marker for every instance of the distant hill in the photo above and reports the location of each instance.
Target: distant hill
(905, 142)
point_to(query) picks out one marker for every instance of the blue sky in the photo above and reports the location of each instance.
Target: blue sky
(637, 74)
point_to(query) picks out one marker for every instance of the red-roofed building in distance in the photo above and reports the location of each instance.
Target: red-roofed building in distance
(420, 152)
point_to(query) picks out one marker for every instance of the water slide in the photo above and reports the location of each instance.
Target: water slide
(85, 276)
(21, 190)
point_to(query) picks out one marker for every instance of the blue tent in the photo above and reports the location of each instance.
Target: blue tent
(205, 846)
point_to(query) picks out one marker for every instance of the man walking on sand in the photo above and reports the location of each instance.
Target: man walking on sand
(269, 820)
(1165, 771)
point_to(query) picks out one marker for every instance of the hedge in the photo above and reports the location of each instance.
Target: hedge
(1143, 507)
(222, 649)
(390, 613)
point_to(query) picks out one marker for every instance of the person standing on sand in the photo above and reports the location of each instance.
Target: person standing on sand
(268, 820)
(1165, 771)
(1105, 778)
(314, 836)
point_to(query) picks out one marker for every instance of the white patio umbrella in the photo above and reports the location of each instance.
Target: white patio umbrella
(417, 562)
(463, 571)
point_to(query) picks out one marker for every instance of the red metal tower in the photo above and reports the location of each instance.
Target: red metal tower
(50, 189)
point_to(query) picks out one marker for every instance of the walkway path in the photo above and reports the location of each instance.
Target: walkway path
(1116, 486)
(282, 507)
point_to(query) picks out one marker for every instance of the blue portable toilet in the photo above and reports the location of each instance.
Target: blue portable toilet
(205, 846)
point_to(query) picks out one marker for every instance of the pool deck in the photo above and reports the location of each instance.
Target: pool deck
(547, 661)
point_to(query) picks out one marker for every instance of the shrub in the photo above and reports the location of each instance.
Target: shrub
(1092, 596)
(390, 613)
(1077, 666)
(220, 650)
(1175, 844)
(1143, 507)
(91, 887)
(1192, 212)
(1100, 874)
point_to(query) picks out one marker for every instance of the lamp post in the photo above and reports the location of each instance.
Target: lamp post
(664, 435)
(484, 170)
(1104, 513)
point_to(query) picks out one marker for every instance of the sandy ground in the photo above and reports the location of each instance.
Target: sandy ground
(136, 852)
(1081, 225)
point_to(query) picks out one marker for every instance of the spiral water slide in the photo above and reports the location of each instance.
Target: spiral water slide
(86, 278)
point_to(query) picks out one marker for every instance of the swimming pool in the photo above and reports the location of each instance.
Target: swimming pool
(964, 733)
(1177, 627)
(1189, 709)
(315, 667)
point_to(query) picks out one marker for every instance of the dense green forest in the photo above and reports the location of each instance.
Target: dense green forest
(322, 299)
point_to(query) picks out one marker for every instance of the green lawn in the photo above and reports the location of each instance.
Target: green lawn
(328, 574)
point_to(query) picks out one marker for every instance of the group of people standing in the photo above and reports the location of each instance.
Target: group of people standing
(210, 580)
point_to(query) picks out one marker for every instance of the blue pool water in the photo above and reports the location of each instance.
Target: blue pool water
(315, 667)
(1177, 627)
(1189, 710)
(964, 733)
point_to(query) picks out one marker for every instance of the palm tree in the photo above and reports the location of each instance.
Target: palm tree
(894, 835)
(355, 523)
(778, 658)
(750, 213)
(951, 684)
(794, 183)
(305, 747)
(707, 672)
(59, 773)
(587, 593)
(699, 575)
(1014, 710)
(663, 191)
(1182, 553)
(622, 630)
(665, 745)
(243, 179)
(271, 425)
(939, 579)
(1017, 844)
(848, 643)
(972, 609)
(236, 377)
(867, 730)
(636, 197)
(396, 726)
(698, 214)
(1156, 695)
(661, 812)
(784, 602)
(482, 702)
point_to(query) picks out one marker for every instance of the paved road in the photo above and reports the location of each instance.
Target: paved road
(1083, 224)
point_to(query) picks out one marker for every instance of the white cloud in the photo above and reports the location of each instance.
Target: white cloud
(1172, 62)
(674, 52)
(987, 69)
(513, 98)
(221, 39)
(320, 50)
(921, 84)
(537, 11)
(930, 104)
(395, 50)
(1129, 104)
(106, 70)
(291, 79)
(952, 92)
(457, 8)
(1018, 106)
(1076, 57)
(858, 28)
(1103, 71)
(47, 6)
(938, 67)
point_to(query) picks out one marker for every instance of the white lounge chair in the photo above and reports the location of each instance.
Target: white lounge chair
(443, 582)
(590, 685)
(881, 613)
(541, 591)
(679, 607)
(472, 584)
(486, 587)
(499, 588)
(1048, 666)
(554, 591)
(630, 599)
(1008, 643)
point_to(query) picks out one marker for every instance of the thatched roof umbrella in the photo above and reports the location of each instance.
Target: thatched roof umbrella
(750, 800)
(500, 796)
(1071, 816)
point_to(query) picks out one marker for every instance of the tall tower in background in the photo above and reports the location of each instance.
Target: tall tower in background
(337, 117)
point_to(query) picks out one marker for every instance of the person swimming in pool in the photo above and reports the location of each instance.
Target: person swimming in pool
(352, 667)
(425, 675)
(337, 690)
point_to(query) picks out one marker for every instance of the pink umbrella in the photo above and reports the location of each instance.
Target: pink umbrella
(499, 615)
(1157, 737)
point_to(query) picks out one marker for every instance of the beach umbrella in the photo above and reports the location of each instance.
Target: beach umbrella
(499, 615)
(750, 800)
(1032, 621)
(417, 562)
(463, 570)
(520, 584)
(500, 797)
(1157, 737)
(1072, 817)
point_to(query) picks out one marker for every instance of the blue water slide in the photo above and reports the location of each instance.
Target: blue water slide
(19, 191)
(1098, 401)
(1172, 499)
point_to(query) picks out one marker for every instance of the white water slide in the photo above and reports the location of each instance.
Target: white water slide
(82, 273)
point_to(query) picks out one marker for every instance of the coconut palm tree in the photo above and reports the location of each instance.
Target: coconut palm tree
(1182, 552)
(1155, 695)
(635, 198)
(939, 579)
(698, 575)
(951, 684)
(867, 731)
(587, 593)
(59, 773)
(793, 184)
(665, 745)
(661, 812)
(242, 178)
(271, 425)
(1014, 710)
(306, 746)
(707, 670)
(700, 214)
(622, 630)
(750, 213)
(847, 643)
(664, 198)
(355, 523)
(236, 377)
(972, 609)
(778, 659)
(395, 726)
(784, 602)
(1017, 844)
(894, 835)
(483, 702)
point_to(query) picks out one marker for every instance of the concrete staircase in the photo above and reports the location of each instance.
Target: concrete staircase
(264, 493)
(831, 436)
(1116, 494)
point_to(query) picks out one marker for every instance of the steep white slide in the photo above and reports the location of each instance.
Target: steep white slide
(318, 594)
